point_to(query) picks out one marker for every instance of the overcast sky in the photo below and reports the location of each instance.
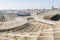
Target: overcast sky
(28, 4)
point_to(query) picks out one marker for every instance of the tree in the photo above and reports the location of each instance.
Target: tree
(56, 17)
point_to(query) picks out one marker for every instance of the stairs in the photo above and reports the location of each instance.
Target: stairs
(33, 31)
(56, 32)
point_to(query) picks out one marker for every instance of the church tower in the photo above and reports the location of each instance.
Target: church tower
(52, 7)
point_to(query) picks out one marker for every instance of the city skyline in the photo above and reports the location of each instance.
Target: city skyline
(28, 4)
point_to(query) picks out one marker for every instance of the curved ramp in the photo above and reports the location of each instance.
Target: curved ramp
(44, 21)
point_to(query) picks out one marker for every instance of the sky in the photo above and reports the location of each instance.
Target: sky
(28, 4)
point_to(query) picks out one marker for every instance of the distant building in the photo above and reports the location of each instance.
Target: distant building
(7, 16)
(54, 8)
(23, 13)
